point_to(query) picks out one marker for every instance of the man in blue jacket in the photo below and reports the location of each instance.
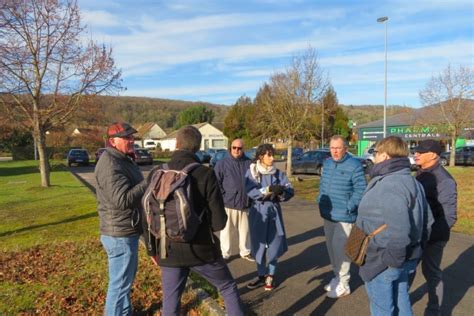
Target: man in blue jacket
(230, 173)
(341, 189)
(441, 193)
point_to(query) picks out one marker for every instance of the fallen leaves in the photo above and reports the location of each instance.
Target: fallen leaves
(71, 278)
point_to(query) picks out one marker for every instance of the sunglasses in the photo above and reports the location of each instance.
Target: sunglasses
(236, 148)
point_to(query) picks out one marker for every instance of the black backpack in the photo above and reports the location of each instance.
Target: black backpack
(168, 206)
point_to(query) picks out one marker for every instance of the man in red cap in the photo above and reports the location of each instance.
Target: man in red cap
(120, 187)
(441, 194)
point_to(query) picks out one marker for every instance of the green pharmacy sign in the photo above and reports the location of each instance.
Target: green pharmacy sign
(405, 132)
(414, 132)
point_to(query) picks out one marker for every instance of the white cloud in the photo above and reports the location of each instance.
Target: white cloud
(198, 90)
(452, 50)
(214, 39)
(99, 19)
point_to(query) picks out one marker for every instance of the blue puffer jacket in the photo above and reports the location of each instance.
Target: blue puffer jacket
(341, 189)
(230, 174)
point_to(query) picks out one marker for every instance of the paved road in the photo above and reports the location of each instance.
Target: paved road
(304, 270)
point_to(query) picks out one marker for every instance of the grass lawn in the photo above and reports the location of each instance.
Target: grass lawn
(464, 177)
(51, 257)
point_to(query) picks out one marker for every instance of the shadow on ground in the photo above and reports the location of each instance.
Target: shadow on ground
(457, 282)
(64, 221)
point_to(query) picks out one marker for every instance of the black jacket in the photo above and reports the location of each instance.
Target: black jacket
(120, 187)
(441, 193)
(206, 195)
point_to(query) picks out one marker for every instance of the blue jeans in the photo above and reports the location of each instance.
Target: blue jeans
(173, 281)
(388, 291)
(122, 253)
(262, 267)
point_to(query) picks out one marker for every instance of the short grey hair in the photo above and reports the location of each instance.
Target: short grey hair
(188, 138)
(339, 137)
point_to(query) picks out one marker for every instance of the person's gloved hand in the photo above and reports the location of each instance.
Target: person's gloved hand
(276, 189)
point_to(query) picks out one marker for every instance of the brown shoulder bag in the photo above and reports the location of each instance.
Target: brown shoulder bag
(357, 243)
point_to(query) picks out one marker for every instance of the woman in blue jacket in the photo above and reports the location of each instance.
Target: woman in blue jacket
(266, 186)
(393, 197)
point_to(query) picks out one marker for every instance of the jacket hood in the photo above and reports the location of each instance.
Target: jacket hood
(390, 166)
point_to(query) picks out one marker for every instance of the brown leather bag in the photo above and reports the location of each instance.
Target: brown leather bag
(357, 243)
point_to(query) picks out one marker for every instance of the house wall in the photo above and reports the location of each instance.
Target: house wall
(213, 138)
(155, 132)
(168, 144)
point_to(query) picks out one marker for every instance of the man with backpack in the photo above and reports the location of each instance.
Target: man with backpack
(173, 249)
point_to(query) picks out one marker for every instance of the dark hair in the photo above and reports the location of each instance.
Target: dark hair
(188, 138)
(263, 149)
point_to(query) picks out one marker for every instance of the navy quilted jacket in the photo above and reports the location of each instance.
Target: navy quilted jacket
(341, 189)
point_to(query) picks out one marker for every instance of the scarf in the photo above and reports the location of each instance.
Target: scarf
(257, 169)
(389, 166)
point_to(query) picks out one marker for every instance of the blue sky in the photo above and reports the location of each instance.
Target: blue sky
(217, 50)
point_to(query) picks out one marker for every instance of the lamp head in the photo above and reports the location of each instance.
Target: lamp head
(382, 19)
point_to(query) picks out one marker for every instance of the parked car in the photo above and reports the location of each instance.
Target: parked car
(362, 160)
(218, 156)
(310, 161)
(370, 159)
(98, 153)
(78, 157)
(143, 157)
(150, 145)
(213, 151)
(295, 152)
(463, 156)
(203, 156)
(251, 153)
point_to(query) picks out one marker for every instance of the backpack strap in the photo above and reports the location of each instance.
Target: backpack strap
(190, 167)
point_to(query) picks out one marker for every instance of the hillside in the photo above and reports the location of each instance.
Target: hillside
(367, 113)
(139, 110)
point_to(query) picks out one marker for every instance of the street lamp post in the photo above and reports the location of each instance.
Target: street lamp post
(382, 20)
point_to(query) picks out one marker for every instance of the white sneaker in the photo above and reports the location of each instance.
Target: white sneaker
(339, 291)
(248, 258)
(332, 284)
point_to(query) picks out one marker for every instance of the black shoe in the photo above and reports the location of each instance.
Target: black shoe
(260, 281)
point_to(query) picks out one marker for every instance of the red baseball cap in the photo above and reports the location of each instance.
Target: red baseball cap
(120, 130)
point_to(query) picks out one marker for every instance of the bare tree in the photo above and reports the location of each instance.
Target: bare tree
(450, 92)
(47, 71)
(285, 105)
